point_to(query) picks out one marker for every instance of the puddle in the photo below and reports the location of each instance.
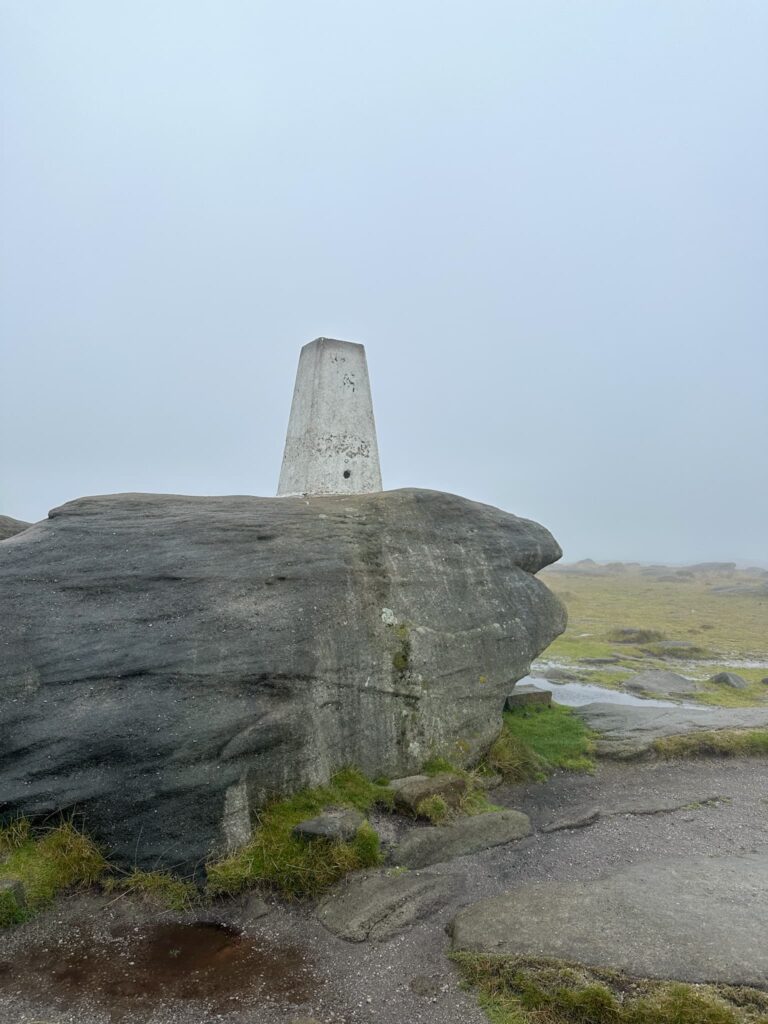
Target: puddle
(574, 695)
(128, 972)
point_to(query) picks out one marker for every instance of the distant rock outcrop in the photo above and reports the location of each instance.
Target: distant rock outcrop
(10, 527)
(169, 662)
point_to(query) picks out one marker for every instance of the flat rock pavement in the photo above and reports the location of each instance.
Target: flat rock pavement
(425, 846)
(703, 919)
(627, 731)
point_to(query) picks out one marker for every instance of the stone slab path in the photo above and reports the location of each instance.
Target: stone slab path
(700, 919)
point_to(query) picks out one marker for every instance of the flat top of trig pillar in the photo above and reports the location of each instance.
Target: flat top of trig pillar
(332, 341)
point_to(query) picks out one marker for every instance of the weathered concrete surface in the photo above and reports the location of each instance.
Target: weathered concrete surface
(697, 920)
(171, 662)
(331, 445)
(628, 730)
(425, 846)
(378, 906)
(10, 527)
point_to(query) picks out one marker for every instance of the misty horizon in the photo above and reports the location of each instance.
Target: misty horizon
(546, 224)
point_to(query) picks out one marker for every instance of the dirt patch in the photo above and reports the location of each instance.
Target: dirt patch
(128, 971)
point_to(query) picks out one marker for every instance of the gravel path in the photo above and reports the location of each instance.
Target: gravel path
(647, 811)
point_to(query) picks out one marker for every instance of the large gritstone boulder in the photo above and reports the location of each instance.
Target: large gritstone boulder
(169, 663)
(9, 527)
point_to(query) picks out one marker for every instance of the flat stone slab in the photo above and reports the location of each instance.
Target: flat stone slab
(524, 696)
(703, 919)
(666, 684)
(425, 846)
(377, 906)
(627, 731)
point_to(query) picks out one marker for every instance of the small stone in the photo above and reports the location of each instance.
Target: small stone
(731, 679)
(412, 790)
(588, 817)
(337, 825)
(764, 680)
(525, 696)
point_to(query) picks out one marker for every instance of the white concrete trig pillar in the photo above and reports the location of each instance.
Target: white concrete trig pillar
(331, 443)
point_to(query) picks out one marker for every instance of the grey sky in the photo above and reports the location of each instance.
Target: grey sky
(547, 222)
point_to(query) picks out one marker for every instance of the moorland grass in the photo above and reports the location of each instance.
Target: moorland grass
(46, 861)
(159, 888)
(533, 743)
(720, 743)
(729, 627)
(297, 868)
(519, 990)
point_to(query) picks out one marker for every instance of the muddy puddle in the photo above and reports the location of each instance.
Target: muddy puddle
(128, 972)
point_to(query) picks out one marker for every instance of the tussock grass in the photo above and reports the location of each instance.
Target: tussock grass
(158, 888)
(296, 867)
(434, 809)
(46, 861)
(533, 743)
(719, 743)
(519, 990)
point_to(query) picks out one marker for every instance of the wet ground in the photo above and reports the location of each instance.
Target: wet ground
(575, 695)
(129, 968)
(97, 960)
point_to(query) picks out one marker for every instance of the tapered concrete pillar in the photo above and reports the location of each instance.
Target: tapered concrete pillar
(331, 444)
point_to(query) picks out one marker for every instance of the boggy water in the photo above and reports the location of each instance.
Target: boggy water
(128, 971)
(575, 695)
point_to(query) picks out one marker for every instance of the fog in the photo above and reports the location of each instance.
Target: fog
(546, 221)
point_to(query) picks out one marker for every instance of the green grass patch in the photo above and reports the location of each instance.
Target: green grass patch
(46, 861)
(518, 990)
(157, 888)
(296, 867)
(533, 742)
(718, 743)
(434, 809)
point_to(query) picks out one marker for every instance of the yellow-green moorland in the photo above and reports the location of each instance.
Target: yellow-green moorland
(721, 613)
(519, 990)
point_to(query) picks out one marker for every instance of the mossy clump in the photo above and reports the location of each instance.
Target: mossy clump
(46, 861)
(299, 869)
(158, 888)
(519, 990)
(401, 659)
(438, 766)
(718, 743)
(434, 809)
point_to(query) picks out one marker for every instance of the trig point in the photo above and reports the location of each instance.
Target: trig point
(331, 444)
